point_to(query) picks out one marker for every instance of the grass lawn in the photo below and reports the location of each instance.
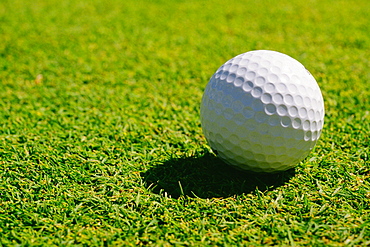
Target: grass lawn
(100, 137)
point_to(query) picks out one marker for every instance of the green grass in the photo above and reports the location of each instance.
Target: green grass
(100, 138)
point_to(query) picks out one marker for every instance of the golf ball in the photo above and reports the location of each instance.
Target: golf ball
(262, 111)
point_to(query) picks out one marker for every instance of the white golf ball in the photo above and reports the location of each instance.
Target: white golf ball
(262, 111)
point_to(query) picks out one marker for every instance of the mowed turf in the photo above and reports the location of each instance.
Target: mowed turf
(100, 138)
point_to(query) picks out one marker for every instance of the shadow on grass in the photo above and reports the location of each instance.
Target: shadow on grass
(207, 176)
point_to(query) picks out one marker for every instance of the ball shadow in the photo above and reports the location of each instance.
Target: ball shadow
(206, 176)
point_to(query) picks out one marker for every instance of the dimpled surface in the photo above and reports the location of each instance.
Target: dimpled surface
(262, 111)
